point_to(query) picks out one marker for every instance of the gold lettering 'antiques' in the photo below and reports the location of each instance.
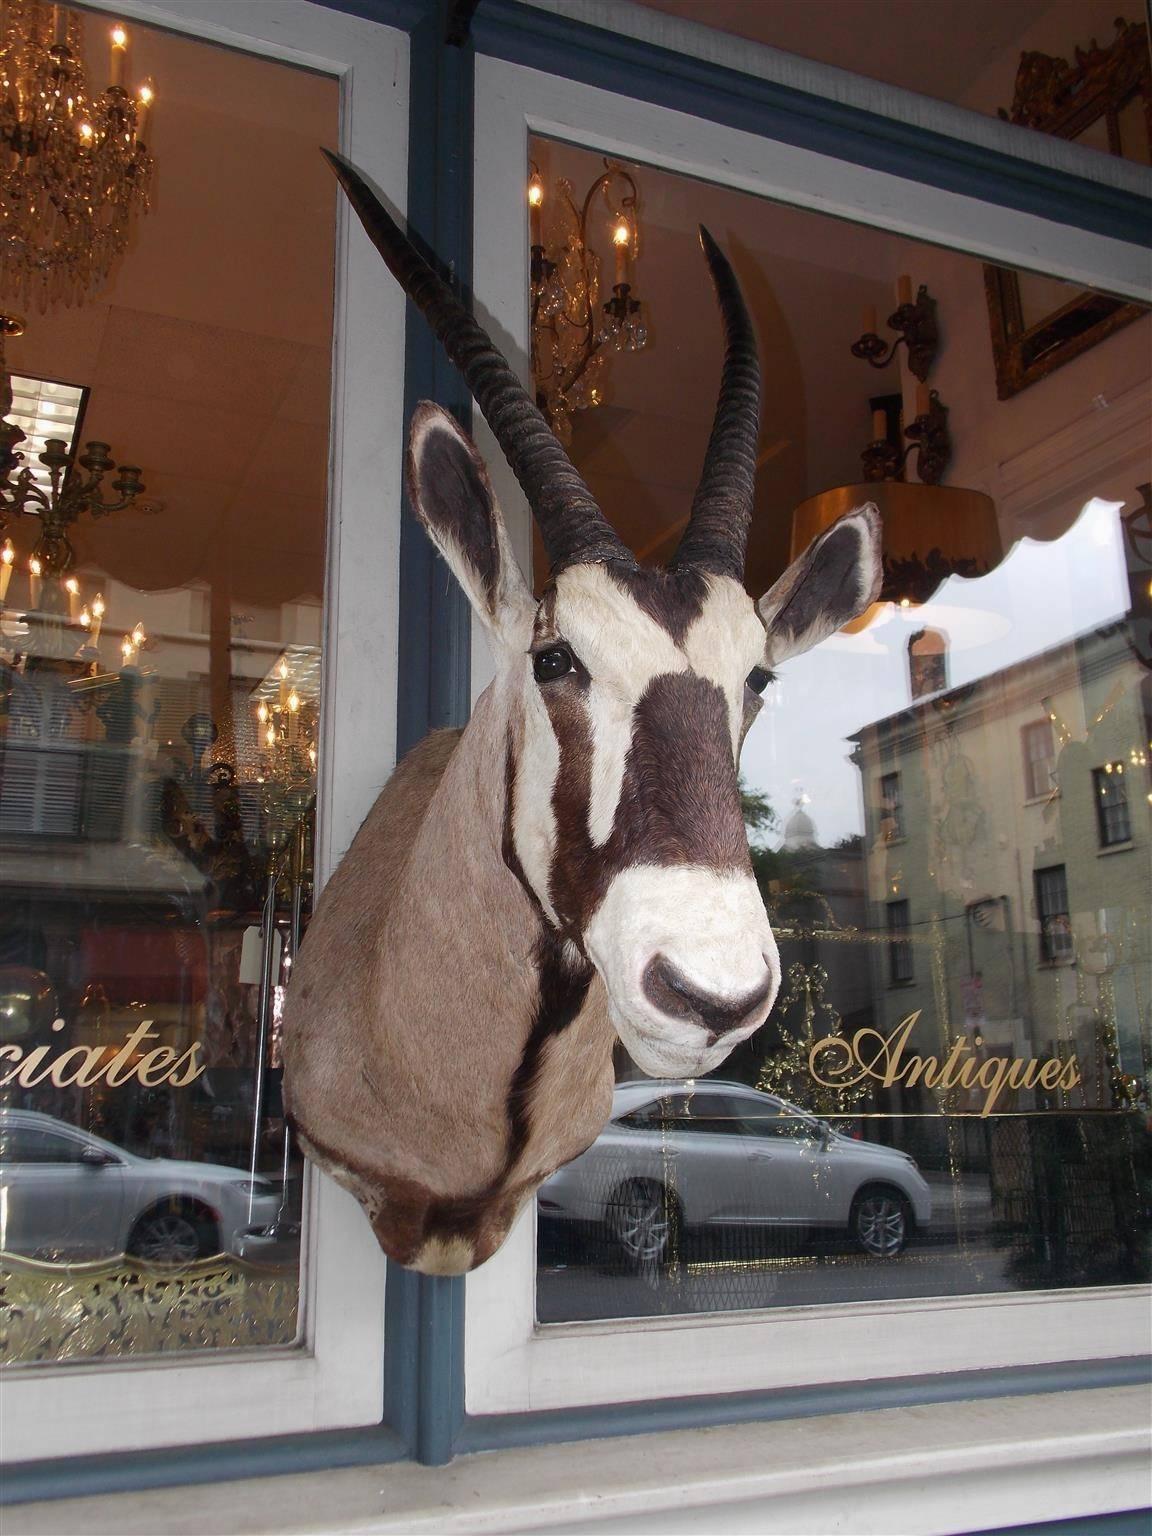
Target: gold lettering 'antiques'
(85, 1065)
(887, 1061)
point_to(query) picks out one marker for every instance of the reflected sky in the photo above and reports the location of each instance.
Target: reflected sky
(1040, 595)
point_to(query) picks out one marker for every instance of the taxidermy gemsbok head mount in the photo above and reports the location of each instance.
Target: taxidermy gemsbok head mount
(574, 864)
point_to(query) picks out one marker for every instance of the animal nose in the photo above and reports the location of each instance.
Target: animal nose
(670, 990)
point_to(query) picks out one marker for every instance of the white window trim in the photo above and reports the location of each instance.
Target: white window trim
(335, 1378)
(512, 1365)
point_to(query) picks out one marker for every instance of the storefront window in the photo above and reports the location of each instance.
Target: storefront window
(949, 805)
(159, 709)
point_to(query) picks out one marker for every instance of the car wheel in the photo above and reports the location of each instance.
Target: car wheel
(173, 1233)
(880, 1222)
(641, 1217)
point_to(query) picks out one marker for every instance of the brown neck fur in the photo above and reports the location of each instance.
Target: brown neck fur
(413, 1003)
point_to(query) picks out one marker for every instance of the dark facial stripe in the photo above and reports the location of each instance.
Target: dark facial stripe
(563, 988)
(679, 801)
(672, 599)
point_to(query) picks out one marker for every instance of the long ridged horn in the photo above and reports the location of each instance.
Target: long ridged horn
(574, 529)
(716, 538)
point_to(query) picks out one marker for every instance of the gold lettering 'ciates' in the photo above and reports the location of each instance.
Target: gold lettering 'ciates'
(83, 1065)
(838, 1063)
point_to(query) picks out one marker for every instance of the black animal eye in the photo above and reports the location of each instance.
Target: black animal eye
(553, 663)
(759, 678)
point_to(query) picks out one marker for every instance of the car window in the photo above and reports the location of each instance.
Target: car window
(771, 1118)
(696, 1113)
(30, 1144)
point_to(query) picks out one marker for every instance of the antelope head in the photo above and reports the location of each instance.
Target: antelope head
(627, 691)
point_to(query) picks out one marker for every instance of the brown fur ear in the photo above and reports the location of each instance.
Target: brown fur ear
(832, 583)
(453, 497)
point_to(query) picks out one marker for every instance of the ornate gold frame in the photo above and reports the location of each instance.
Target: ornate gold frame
(1066, 99)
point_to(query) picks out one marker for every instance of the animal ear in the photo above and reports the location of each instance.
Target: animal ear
(833, 581)
(453, 497)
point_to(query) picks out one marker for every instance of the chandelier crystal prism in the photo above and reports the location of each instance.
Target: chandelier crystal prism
(74, 166)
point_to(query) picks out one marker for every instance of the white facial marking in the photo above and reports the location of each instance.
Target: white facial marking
(610, 716)
(622, 649)
(533, 819)
(712, 927)
(725, 643)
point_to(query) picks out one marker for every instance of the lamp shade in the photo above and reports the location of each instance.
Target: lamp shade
(931, 532)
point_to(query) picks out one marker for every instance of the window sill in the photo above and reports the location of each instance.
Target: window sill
(1005, 1462)
(1102, 853)
(1041, 799)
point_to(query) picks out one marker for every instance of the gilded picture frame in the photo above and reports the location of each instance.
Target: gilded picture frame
(1104, 100)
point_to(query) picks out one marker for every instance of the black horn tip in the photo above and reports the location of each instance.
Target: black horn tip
(351, 179)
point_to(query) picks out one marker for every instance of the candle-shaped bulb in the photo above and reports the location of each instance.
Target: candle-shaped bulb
(138, 635)
(98, 605)
(126, 649)
(85, 618)
(72, 586)
(535, 203)
(293, 701)
(535, 192)
(86, 134)
(7, 556)
(262, 713)
(144, 99)
(119, 48)
(283, 668)
(621, 240)
(35, 567)
(270, 736)
(8, 553)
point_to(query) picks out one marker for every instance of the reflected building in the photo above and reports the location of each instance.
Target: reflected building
(1006, 862)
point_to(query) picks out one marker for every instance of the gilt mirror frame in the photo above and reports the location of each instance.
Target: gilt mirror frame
(1092, 93)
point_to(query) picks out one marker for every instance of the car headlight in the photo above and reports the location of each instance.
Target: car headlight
(253, 1187)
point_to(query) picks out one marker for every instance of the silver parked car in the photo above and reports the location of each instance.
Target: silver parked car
(66, 1194)
(724, 1155)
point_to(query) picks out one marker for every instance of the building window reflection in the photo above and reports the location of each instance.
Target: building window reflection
(1056, 941)
(900, 970)
(1039, 759)
(1112, 821)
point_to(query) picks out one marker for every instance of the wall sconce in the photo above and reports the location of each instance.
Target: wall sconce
(930, 441)
(916, 324)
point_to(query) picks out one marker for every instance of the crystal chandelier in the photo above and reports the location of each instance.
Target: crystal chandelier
(570, 327)
(75, 168)
(73, 486)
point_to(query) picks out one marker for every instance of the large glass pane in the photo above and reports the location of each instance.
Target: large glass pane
(159, 698)
(949, 804)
